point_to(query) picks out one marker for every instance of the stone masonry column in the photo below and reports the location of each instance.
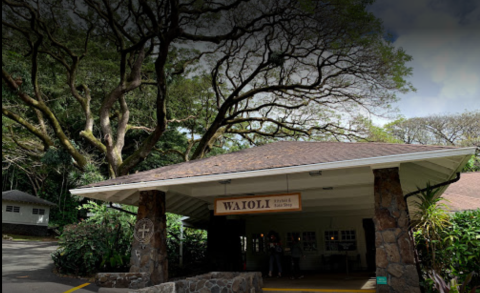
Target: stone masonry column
(394, 249)
(149, 249)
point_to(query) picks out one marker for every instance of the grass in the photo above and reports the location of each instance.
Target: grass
(32, 238)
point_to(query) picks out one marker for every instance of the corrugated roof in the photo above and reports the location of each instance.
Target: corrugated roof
(271, 156)
(464, 194)
(20, 196)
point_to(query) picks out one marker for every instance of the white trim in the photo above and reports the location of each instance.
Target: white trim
(386, 166)
(372, 162)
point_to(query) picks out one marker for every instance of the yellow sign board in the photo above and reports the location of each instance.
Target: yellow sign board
(273, 203)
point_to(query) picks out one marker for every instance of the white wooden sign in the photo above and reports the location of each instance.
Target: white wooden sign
(273, 203)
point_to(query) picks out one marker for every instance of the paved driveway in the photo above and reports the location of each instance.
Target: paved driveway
(27, 267)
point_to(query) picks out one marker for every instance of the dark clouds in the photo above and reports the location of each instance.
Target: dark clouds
(443, 36)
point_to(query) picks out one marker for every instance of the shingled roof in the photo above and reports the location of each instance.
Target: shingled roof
(272, 156)
(20, 196)
(464, 194)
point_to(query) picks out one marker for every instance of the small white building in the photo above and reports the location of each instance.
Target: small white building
(24, 214)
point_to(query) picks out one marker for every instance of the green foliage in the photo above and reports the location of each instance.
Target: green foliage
(100, 213)
(92, 174)
(55, 157)
(373, 133)
(87, 248)
(65, 212)
(453, 286)
(432, 220)
(100, 243)
(103, 243)
(463, 244)
(473, 164)
(432, 214)
(449, 247)
(194, 247)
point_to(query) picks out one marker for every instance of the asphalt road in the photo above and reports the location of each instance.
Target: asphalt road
(27, 267)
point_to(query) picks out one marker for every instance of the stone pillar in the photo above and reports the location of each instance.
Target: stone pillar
(394, 249)
(149, 249)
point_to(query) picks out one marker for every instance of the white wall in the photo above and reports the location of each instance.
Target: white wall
(26, 215)
(305, 223)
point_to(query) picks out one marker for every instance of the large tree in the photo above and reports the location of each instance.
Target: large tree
(81, 75)
(449, 129)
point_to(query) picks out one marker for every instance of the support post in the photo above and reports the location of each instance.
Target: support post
(181, 245)
(149, 249)
(224, 249)
(394, 247)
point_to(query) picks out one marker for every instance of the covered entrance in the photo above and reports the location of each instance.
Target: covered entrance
(349, 193)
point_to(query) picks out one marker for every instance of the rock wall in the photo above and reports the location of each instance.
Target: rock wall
(215, 282)
(122, 280)
(394, 248)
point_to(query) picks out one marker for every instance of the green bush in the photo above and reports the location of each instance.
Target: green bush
(194, 248)
(100, 244)
(463, 244)
(457, 249)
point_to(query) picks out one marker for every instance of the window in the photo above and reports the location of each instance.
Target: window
(38, 211)
(258, 243)
(333, 238)
(13, 209)
(243, 243)
(309, 241)
(348, 235)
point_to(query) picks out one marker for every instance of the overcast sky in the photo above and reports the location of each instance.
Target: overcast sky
(443, 37)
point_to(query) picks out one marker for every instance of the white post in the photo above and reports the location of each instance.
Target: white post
(181, 245)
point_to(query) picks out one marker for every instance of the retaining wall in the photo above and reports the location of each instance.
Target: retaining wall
(214, 282)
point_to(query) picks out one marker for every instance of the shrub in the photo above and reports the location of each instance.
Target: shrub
(457, 249)
(102, 243)
(194, 248)
(463, 244)
(95, 245)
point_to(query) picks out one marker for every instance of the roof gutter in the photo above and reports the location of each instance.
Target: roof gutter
(434, 186)
(364, 162)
